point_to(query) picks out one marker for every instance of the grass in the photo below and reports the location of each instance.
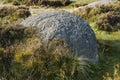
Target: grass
(109, 53)
(79, 3)
(9, 15)
(85, 1)
(21, 57)
(73, 4)
(1, 0)
(26, 64)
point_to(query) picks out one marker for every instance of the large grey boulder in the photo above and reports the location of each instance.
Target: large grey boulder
(75, 31)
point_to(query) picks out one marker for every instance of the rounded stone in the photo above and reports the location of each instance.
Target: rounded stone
(75, 31)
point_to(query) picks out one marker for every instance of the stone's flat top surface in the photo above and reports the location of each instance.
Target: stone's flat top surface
(75, 31)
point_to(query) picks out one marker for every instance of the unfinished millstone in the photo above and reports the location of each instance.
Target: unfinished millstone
(69, 27)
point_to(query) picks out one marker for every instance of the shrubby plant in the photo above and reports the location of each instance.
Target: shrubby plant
(23, 13)
(24, 56)
(5, 11)
(40, 2)
(10, 14)
(108, 21)
(8, 37)
(105, 17)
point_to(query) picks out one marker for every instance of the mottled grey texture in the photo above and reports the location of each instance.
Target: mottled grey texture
(71, 28)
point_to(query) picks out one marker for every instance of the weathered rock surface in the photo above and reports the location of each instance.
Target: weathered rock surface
(71, 28)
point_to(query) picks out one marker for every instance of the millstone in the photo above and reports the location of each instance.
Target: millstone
(75, 31)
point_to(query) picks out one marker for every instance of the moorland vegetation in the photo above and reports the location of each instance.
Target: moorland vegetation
(21, 57)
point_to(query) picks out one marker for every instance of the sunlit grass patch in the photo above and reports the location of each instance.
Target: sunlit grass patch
(79, 3)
